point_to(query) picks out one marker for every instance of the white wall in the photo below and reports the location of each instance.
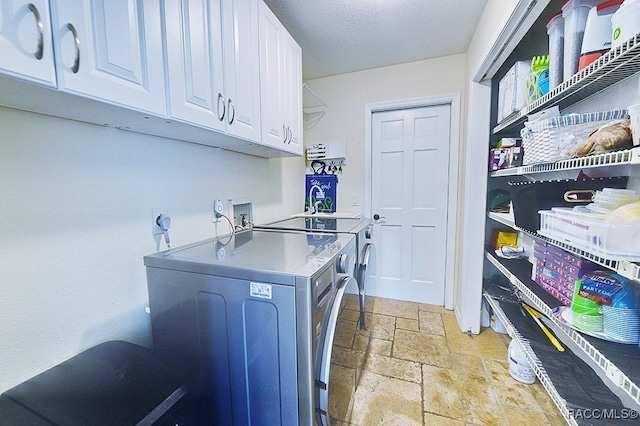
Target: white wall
(75, 222)
(346, 96)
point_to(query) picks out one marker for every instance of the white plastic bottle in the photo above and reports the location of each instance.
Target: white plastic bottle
(519, 366)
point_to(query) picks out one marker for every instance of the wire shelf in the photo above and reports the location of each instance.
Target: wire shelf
(532, 359)
(617, 377)
(615, 158)
(610, 68)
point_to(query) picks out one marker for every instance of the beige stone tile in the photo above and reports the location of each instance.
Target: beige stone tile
(466, 397)
(435, 420)
(379, 326)
(487, 343)
(420, 347)
(347, 357)
(397, 308)
(555, 420)
(407, 324)
(436, 309)
(380, 400)
(372, 345)
(431, 323)
(342, 387)
(468, 365)
(514, 393)
(349, 315)
(521, 416)
(352, 302)
(345, 332)
(394, 367)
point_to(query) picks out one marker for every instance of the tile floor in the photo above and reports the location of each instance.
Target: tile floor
(413, 366)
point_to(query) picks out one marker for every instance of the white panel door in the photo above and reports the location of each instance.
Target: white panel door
(242, 68)
(26, 50)
(410, 157)
(111, 50)
(194, 61)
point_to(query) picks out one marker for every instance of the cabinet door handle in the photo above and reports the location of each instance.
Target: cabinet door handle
(232, 111)
(224, 108)
(290, 134)
(284, 132)
(76, 41)
(40, 50)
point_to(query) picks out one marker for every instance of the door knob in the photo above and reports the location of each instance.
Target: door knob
(377, 217)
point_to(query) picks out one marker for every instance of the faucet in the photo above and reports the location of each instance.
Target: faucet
(313, 207)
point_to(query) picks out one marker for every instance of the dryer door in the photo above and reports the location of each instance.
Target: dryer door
(323, 353)
(366, 276)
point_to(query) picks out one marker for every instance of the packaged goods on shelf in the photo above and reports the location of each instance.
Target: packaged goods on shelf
(555, 138)
(592, 234)
(528, 197)
(512, 94)
(557, 270)
(505, 157)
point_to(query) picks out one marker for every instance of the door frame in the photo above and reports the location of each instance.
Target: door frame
(453, 100)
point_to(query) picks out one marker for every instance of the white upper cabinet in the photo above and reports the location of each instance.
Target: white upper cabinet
(293, 93)
(193, 31)
(111, 50)
(281, 81)
(26, 50)
(213, 64)
(241, 59)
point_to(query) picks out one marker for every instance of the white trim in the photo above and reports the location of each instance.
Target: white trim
(453, 100)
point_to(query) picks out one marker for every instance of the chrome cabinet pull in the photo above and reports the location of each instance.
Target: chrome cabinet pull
(40, 50)
(76, 41)
(290, 135)
(284, 131)
(232, 111)
(224, 108)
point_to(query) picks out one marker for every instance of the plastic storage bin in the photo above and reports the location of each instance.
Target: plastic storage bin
(597, 32)
(575, 13)
(555, 30)
(552, 139)
(625, 22)
(615, 242)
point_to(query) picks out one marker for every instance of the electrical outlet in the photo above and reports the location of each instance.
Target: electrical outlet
(218, 209)
(155, 228)
(354, 200)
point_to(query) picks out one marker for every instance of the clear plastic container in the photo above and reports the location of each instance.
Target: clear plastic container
(555, 30)
(595, 236)
(575, 13)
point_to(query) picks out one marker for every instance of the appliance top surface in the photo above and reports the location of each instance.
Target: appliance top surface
(267, 252)
(319, 224)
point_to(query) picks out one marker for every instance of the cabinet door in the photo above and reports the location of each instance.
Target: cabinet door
(194, 61)
(241, 68)
(111, 50)
(293, 93)
(26, 50)
(274, 130)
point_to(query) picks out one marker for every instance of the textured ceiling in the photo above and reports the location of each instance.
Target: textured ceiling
(341, 36)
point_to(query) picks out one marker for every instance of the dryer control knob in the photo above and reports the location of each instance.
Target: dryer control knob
(342, 264)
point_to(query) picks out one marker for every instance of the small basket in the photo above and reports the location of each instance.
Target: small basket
(552, 139)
